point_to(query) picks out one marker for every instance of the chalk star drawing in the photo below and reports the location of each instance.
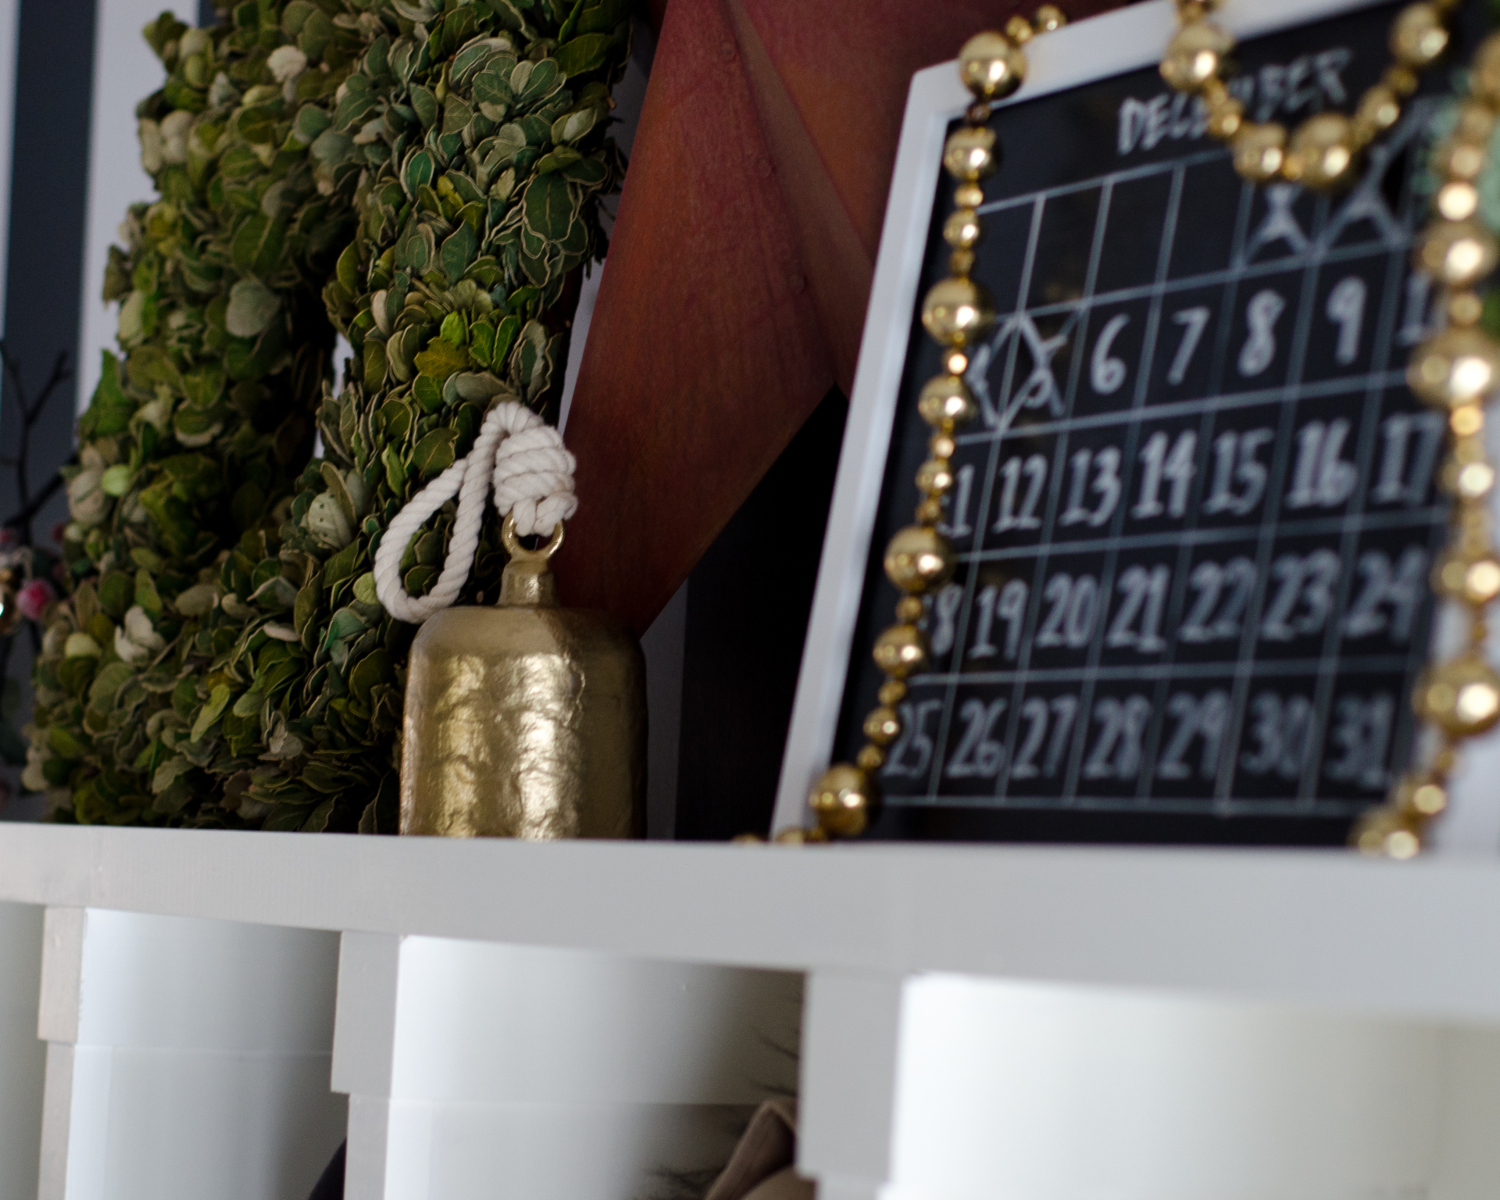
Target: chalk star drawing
(1280, 224)
(1367, 201)
(1040, 388)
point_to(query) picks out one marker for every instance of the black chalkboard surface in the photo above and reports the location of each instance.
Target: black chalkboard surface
(1197, 514)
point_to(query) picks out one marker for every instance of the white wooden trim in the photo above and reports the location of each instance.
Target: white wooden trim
(1313, 927)
(589, 1011)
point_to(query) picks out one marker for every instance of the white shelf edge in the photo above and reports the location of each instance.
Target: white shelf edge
(1307, 927)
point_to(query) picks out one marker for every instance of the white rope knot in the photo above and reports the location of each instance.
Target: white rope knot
(518, 455)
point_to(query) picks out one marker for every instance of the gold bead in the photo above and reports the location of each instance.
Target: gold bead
(1321, 152)
(968, 195)
(747, 839)
(929, 511)
(934, 475)
(1049, 18)
(795, 836)
(870, 758)
(1457, 200)
(1444, 759)
(892, 692)
(901, 650)
(1385, 833)
(961, 262)
(1225, 118)
(1379, 109)
(910, 608)
(1018, 30)
(957, 311)
(842, 800)
(882, 726)
(942, 445)
(1455, 159)
(1401, 80)
(1421, 793)
(1461, 696)
(1457, 253)
(1464, 308)
(1418, 36)
(969, 153)
(919, 558)
(1259, 151)
(1465, 420)
(962, 230)
(1454, 367)
(1472, 473)
(1468, 575)
(1471, 526)
(1468, 472)
(1195, 55)
(991, 66)
(1475, 122)
(1484, 71)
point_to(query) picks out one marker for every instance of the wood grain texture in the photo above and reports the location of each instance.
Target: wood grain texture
(739, 268)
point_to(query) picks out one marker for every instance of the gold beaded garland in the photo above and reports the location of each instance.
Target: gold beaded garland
(955, 312)
(1456, 370)
(1324, 151)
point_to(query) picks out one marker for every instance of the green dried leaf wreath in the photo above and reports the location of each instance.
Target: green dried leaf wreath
(223, 660)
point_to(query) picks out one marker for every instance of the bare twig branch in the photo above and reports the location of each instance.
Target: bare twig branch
(31, 412)
(34, 505)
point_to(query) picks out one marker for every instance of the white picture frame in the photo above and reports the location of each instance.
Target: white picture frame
(1097, 48)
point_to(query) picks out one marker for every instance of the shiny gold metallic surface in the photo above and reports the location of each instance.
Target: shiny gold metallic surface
(1324, 152)
(524, 720)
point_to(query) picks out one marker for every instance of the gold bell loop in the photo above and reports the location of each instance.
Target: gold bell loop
(527, 581)
(517, 551)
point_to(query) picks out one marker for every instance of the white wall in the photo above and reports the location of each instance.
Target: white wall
(10, 15)
(126, 71)
(23, 1056)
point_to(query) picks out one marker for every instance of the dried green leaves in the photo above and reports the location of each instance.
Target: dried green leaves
(434, 170)
(198, 427)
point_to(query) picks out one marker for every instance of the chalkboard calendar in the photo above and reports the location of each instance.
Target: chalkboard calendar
(1196, 515)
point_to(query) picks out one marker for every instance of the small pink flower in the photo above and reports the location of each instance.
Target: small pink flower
(9, 538)
(58, 530)
(34, 597)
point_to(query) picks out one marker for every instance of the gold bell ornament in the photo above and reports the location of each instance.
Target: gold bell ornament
(523, 719)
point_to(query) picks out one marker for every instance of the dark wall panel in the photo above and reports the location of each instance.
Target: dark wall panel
(748, 603)
(49, 190)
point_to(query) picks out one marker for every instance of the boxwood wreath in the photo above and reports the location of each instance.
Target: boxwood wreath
(423, 176)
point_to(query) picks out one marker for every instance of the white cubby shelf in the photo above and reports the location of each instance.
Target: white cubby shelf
(190, 1013)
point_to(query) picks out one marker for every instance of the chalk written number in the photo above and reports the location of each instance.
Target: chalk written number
(1262, 336)
(1277, 740)
(1299, 598)
(1320, 475)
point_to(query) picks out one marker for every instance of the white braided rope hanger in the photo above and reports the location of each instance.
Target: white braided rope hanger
(523, 459)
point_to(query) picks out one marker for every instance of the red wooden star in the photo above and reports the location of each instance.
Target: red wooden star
(739, 268)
